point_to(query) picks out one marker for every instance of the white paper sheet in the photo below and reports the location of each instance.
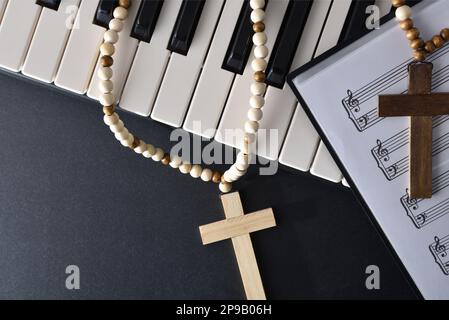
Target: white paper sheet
(342, 94)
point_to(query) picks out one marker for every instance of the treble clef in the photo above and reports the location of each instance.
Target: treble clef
(440, 248)
(353, 103)
(412, 202)
(381, 151)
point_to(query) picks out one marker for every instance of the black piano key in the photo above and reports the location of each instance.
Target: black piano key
(146, 20)
(51, 4)
(185, 26)
(104, 12)
(287, 42)
(241, 43)
(355, 23)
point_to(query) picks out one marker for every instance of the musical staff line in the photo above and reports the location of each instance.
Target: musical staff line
(419, 211)
(439, 250)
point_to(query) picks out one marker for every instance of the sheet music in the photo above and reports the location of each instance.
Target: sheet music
(342, 95)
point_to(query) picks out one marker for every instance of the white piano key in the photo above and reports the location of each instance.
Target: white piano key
(81, 52)
(302, 140)
(16, 32)
(125, 50)
(280, 103)
(182, 72)
(324, 165)
(215, 83)
(49, 41)
(236, 108)
(149, 64)
(3, 4)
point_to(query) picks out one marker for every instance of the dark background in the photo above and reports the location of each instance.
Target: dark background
(70, 194)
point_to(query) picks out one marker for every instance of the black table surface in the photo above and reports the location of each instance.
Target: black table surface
(71, 195)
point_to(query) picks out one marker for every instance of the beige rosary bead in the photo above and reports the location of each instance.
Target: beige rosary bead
(149, 152)
(175, 162)
(128, 141)
(256, 102)
(257, 4)
(206, 175)
(255, 114)
(260, 38)
(438, 41)
(185, 168)
(403, 12)
(258, 64)
(196, 171)
(261, 51)
(159, 155)
(116, 25)
(112, 119)
(445, 34)
(412, 34)
(122, 135)
(105, 73)
(258, 88)
(257, 15)
(406, 24)
(107, 49)
(107, 99)
(397, 3)
(249, 138)
(105, 86)
(225, 187)
(110, 36)
(251, 126)
(120, 13)
(141, 148)
(117, 127)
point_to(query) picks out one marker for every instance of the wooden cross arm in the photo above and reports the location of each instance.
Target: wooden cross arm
(420, 105)
(237, 226)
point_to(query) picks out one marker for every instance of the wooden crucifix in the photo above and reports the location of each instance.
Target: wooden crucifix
(237, 226)
(421, 105)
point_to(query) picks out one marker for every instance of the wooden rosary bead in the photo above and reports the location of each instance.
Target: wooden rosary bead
(417, 44)
(397, 3)
(438, 41)
(216, 177)
(124, 3)
(109, 110)
(429, 47)
(419, 55)
(136, 143)
(107, 49)
(445, 34)
(412, 34)
(406, 24)
(259, 76)
(106, 61)
(166, 159)
(259, 26)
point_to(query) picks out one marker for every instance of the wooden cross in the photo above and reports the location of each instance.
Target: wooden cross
(421, 106)
(237, 226)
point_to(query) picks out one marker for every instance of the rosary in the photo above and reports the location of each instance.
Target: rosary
(419, 104)
(251, 126)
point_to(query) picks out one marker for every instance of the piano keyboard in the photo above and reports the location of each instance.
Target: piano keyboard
(185, 63)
